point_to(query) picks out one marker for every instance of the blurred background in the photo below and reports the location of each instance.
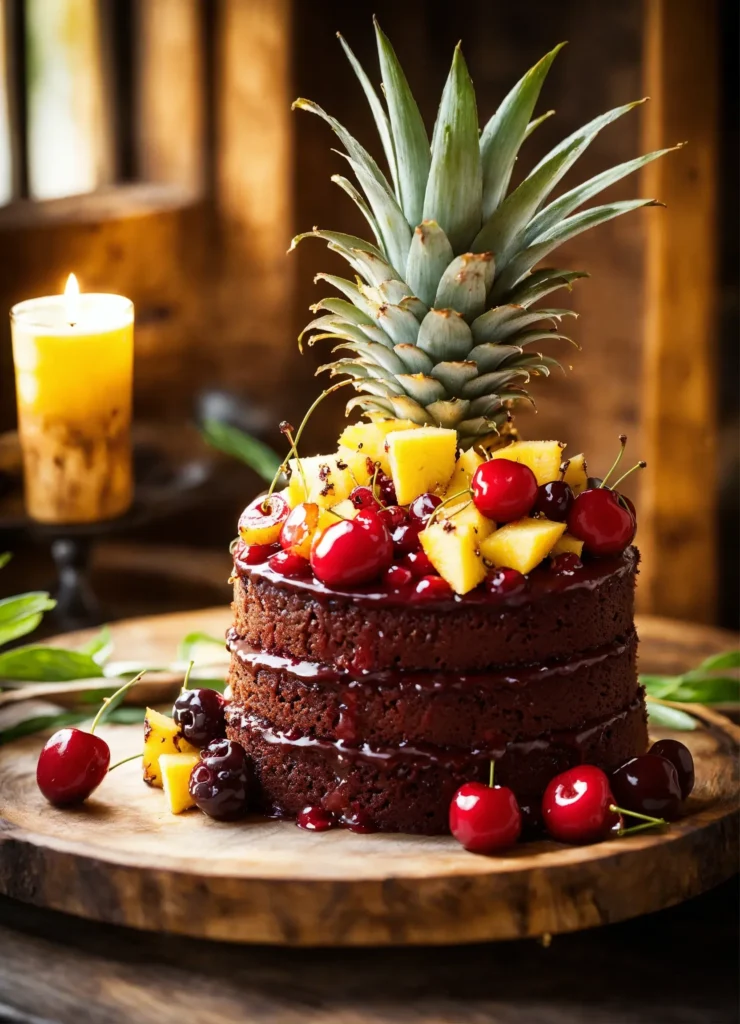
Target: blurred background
(149, 146)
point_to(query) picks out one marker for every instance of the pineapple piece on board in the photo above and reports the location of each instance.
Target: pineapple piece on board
(362, 441)
(466, 514)
(175, 770)
(523, 544)
(161, 736)
(328, 478)
(568, 544)
(421, 460)
(454, 552)
(576, 474)
(465, 467)
(542, 457)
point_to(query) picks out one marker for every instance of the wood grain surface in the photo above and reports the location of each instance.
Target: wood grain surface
(124, 859)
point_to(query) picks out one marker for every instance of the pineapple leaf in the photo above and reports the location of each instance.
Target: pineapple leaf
(360, 203)
(454, 375)
(415, 306)
(373, 268)
(378, 355)
(393, 292)
(341, 241)
(487, 383)
(347, 310)
(421, 388)
(400, 325)
(369, 404)
(465, 284)
(381, 118)
(454, 188)
(410, 141)
(405, 408)
(444, 335)
(448, 413)
(534, 125)
(414, 359)
(537, 285)
(490, 356)
(487, 331)
(347, 288)
(507, 129)
(429, 256)
(387, 215)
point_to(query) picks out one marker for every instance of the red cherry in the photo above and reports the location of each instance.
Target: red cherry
(72, 764)
(315, 819)
(363, 497)
(287, 563)
(577, 805)
(629, 503)
(485, 819)
(384, 485)
(605, 526)
(505, 582)
(393, 516)
(398, 577)
(566, 564)
(355, 551)
(419, 565)
(554, 500)
(422, 507)
(253, 554)
(504, 490)
(680, 757)
(432, 588)
(406, 538)
(648, 785)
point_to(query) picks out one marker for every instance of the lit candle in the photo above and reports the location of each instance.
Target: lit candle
(73, 356)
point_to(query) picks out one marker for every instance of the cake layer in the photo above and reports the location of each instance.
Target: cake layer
(471, 711)
(372, 630)
(408, 788)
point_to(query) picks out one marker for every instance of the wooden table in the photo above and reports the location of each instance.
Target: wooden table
(675, 967)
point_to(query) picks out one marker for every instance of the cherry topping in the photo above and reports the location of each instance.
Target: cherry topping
(648, 784)
(355, 551)
(629, 503)
(398, 577)
(288, 563)
(363, 497)
(504, 490)
(72, 764)
(505, 582)
(315, 819)
(578, 805)
(554, 500)
(485, 819)
(417, 562)
(422, 507)
(566, 564)
(393, 516)
(200, 715)
(254, 554)
(358, 821)
(219, 783)
(680, 757)
(605, 526)
(432, 588)
(386, 490)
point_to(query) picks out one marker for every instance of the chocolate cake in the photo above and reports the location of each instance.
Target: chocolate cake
(377, 707)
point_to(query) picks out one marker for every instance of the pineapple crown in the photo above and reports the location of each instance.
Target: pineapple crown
(437, 325)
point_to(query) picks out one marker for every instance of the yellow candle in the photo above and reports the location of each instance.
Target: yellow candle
(73, 358)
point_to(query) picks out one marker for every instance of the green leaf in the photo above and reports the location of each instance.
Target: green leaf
(465, 284)
(42, 723)
(507, 129)
(429, 256)
(359, 201)
(444, 336)
(189, 643)
(410, 141)
(40, 664)
(671, 718)
(707, 690)
(534, 125)
(250, 450)
(21, 614)
(340, 241)
(5, 558)
(388, 217)
(720, 662)
(454, 188)
(537, 285)
(100, 647)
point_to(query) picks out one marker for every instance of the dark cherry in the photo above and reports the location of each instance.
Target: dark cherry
(578, 805)
(629, 503)
(355, 551)
(504, 490)
(398, 577)
(315, 819)
(254, 554)
(417, 562)
(604, 526)
(593, 483)
(680, 757)
(566, 564)
(422, 507)
(219, 783)
(71, 766)
(358, 821)
(363, 497)
(200, 715)
(554, 500)
(386, 490)
(393, 516)
(406, 538)
(505, 582)
(288, 563)
(485, 819)
(432, 588)
(648, 784)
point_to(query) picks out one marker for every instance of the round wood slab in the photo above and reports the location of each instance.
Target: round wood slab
(123, 859)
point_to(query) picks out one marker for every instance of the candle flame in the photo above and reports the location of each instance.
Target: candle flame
(72, 300)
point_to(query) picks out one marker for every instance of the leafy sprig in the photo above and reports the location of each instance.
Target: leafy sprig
(708, 683)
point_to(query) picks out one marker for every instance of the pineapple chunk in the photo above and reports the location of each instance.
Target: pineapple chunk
(328, 477)
(522, 544)
(421, 460)
(362, 441)
(542, 457)
(345, 509)
(568, 544)
(465, 467)
(454, 553)
(175, 770)
(577, 474)
(161, 736)
(466, 514)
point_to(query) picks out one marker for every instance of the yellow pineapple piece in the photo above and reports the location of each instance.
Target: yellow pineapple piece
(161, 736)
(576, 475)
(175, 770)
(465, 467)
(421, 460)
(522, 544)
(345, 509)
(568, 544)
(262, 520)
(328, 477)
(466, 514)
(454, 553)
(542, 457)
(362, 441)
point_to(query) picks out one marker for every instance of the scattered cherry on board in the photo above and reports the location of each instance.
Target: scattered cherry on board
(220, 782)
(485, 818)
(200, 714)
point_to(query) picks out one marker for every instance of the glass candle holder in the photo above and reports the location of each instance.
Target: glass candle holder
(73, 357)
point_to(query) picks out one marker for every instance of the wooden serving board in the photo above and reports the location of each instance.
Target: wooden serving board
(123, 859)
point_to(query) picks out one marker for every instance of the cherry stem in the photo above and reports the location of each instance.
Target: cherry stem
(125, 760)
(373, 483)
(113, 696)
(634, 814)
(640, 465)
(452, 497)
(623, 445)
(491, 771)
(186, 680)
(638, 828)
